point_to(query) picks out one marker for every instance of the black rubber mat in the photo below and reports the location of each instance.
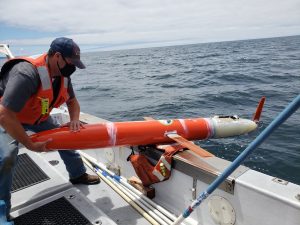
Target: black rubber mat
(27, 173)
(58, 212)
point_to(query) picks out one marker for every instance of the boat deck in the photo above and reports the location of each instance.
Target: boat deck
(111, 208)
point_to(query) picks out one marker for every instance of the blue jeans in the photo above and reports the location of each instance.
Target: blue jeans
(8, 158)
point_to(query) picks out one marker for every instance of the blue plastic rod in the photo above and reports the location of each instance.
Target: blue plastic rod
(286, 113)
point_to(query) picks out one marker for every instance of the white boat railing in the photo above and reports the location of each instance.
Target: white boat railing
(4, 49)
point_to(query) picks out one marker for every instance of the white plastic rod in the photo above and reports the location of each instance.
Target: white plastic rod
(126, 184)
(151, 210)
(124, 196)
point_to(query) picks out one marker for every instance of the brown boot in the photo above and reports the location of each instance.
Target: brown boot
(86, 179)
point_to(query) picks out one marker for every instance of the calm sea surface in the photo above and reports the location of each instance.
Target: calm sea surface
(203, 80)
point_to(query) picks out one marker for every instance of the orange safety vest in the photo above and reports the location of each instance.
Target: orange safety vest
(161, 171)
(39, 105)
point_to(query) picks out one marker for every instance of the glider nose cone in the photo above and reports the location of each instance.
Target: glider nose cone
(247, 126)
(232, 127)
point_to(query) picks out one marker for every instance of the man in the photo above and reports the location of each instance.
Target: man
(29, 89)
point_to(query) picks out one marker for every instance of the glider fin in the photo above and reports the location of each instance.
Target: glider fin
(259, 108)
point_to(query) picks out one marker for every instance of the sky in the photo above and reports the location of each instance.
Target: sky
(121, 24)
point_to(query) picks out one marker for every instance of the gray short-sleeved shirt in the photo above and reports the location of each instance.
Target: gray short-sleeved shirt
(19, 84)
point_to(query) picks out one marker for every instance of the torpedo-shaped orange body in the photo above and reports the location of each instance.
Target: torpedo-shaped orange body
(143, 132)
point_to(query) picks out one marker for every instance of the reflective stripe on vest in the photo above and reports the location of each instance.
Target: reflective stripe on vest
(66, 82)
(165, 162)
(158, 175)
(44, 77)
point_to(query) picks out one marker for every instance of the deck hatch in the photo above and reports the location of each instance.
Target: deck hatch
(27, 173)
(57, 212)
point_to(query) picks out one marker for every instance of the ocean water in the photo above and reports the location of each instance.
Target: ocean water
(202, 80)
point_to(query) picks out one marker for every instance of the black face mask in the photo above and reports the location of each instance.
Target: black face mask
(67, 70)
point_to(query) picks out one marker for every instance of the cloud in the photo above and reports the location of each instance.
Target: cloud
(117, 22)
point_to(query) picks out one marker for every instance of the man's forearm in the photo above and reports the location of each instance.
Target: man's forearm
(74, 109)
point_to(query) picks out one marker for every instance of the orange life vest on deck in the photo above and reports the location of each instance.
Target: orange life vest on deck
(161, 171)
(39, 105)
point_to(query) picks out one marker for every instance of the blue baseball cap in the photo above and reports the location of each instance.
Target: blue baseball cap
(68, 49)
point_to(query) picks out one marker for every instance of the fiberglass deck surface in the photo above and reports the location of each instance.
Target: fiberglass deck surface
(103, 197)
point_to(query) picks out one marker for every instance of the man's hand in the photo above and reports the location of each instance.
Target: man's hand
(74, 112)
(38, 146)
(74, 125)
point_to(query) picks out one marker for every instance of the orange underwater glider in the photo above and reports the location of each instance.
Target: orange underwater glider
(150, 131)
